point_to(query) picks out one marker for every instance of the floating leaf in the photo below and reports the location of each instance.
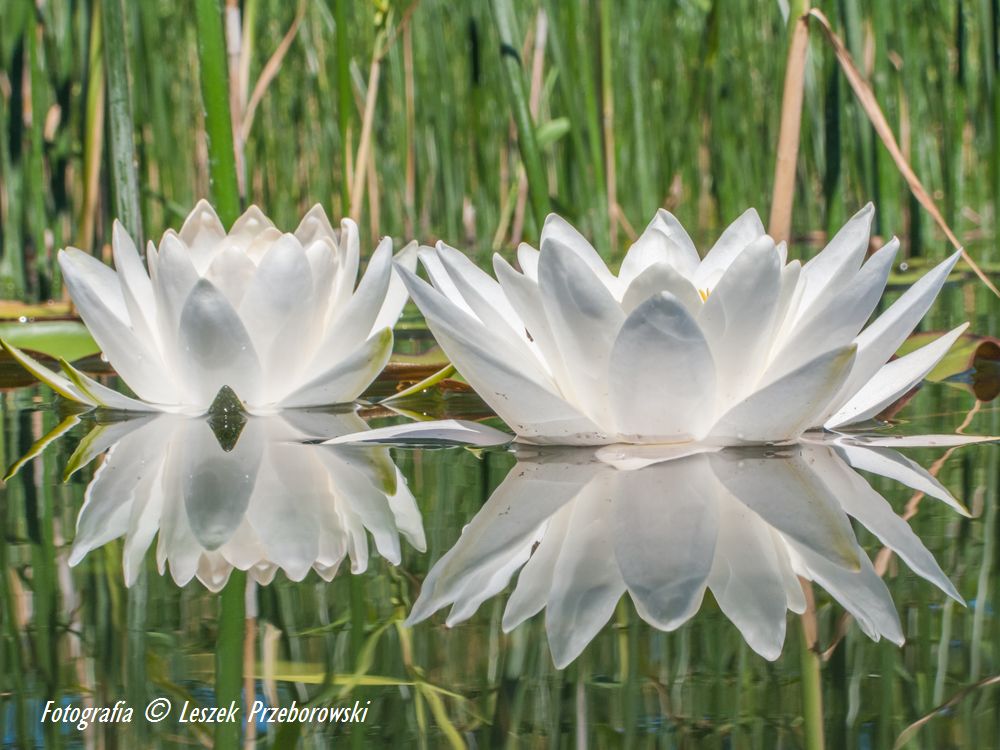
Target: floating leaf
(67, 339)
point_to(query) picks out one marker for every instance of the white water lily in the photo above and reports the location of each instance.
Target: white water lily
(666, 524)
(275, 316)
(739, 347)
(265, 503)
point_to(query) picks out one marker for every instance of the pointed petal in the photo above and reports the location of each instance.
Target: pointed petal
(660, 277)
(558, 231)
(216, 348)
(98, 297)
(893, 380)
(315, 225)
(448, 431)
(585, 320)
(511, 385)
(396, 295)
(738, 235)
(586, 587)
(663, 241)
(348, 378)
(833, 268)
(788, 406)
(202, 234)
(860, 501)
(790, 497)
(879, 341)
(893, 465)
(738, 319)
(661, 373)
(835, 319)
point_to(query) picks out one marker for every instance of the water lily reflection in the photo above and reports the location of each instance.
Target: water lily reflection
(243, 495)
(584, 527)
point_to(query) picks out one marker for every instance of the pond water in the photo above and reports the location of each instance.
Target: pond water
(122, 545)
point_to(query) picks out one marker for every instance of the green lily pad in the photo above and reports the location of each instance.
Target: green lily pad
(67, 339)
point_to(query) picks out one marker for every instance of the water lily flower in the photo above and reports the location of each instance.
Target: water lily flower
(274, 316)
(665, 524)
(259, 500)
(739, 347)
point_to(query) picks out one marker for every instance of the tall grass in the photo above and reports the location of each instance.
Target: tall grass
(674, 104)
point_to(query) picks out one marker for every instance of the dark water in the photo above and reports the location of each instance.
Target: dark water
(118, 585)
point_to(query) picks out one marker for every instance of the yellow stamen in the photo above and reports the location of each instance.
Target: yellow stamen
(703, 293)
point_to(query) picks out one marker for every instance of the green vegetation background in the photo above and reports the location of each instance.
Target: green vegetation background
(636, 105)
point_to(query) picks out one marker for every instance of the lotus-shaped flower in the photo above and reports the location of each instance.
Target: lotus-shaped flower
(251, 497)
(739, 347)
(666, 524)
(274, 316)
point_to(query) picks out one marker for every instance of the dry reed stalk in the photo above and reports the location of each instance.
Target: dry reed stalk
(534, 103)
(866, 98)
(783, 197)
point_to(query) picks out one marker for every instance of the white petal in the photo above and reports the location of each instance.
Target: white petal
(450, 431)
(534, 582)
(315, 225)
(137, 290)
(660, 277)
(788, 406)
(396, 295)
(665, 536)
(231, 271)
(833, 268)
(484, 296)
(348, 378)
(874, 512)
(137, 361)
(527, 259)
(786, 492)
(661, 373)
(738, 320)
(202, 234)
(835, 319)
(526, 298)
(585, 320)
(862, 592)
(663, 241)
(506, 526)
(558, 231)
(349, 257)
(512, 386)
(894, 465)
(746, 578)
(586, 587)
(216, 348)
(893, 380)
(738, 235)
(879, 341)
(350, 325)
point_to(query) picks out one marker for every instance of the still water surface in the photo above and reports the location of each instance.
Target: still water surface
(116, 538)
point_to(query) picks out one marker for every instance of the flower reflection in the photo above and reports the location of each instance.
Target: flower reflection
(247, 495)
(583, 527)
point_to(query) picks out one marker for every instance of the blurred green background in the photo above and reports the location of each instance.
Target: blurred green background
(635, 105)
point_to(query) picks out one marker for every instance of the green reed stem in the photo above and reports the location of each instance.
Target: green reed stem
(215, 98)
(538, 191)
(122, 143)
(229, 654)
(812, 693)
(344, 101)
